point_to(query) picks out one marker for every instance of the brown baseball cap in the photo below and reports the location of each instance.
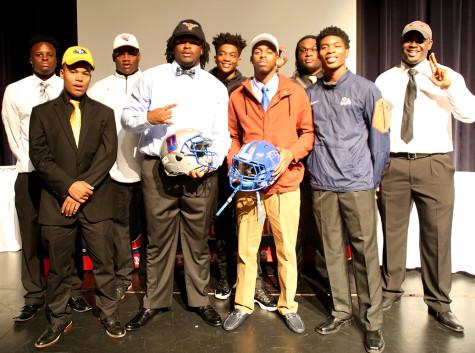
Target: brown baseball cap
(419, 26)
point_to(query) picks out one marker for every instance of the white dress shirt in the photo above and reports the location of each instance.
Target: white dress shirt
(114, 91)
(433, 107)
(272, 85)
(18, 100)
(202, 104)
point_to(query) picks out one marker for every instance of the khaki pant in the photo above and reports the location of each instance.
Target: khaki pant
(282, 210)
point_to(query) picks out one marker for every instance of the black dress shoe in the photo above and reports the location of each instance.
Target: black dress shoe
(389, 301)
(27, 312)
(52, 335)
(141, 318)
(113, 327)
(209, 315)
(374, 341)
(332, 325)
(78, 303)
(447, 319)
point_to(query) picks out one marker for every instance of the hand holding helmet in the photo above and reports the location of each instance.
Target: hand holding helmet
(186, 151)
(253, 168)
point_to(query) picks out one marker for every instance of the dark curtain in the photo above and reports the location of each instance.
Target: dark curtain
(380, 24)
(22, 21)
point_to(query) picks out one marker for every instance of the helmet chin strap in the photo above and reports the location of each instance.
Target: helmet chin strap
(228, 201)
(259, 207)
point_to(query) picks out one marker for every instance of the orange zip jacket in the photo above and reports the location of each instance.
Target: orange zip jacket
(286, 124)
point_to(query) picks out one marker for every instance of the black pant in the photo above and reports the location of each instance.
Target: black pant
(59, 241)
(27, 200)
(357, 212)
(177, 207)
(128, 220)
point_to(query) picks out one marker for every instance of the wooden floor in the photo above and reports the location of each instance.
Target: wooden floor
(407, 326)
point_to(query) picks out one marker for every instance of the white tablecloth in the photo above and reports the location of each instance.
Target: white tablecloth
(463, 228)
(9, 232)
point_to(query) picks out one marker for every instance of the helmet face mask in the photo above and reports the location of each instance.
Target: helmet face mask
(186, 150)
(253, 166)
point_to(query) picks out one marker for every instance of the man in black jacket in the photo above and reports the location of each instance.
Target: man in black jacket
(73, 145)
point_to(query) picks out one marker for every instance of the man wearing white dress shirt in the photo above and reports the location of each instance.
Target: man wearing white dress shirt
(114, 92)
(422, 97)
(18, 100)
(168, 97)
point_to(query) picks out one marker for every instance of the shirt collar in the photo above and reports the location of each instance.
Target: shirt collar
(423, 67)
(272, 84)
(118, 74)
(37, 81)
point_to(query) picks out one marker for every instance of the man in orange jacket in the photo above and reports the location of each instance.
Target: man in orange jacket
(270, 107)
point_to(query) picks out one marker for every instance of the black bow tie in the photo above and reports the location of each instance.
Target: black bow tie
(190, 72)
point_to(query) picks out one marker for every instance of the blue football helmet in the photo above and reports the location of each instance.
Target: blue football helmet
(252, 170)
(185, 150)
(253, 166)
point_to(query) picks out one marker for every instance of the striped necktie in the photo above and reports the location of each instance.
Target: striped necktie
(43, 97)
(75, 120)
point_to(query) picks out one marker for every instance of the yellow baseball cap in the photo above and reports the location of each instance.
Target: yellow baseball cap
(75, 54)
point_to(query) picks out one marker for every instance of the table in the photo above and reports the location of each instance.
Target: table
(463, 228)
(9, 232)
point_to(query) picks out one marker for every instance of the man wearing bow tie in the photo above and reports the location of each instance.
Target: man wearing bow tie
(169, 97)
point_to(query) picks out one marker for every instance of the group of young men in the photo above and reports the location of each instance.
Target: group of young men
(359, 141)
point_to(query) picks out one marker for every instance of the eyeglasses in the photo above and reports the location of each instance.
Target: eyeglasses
(307, 50)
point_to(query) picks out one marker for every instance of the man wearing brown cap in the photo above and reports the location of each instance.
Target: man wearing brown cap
(422, 96)
(114, 91)
(73, 145)
(169, 97)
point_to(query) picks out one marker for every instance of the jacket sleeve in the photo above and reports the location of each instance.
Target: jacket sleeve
(106, 153)
(234, 128)
(55, 178)
(378, 118)
(305, 128)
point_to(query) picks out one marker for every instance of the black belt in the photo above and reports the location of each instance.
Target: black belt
(412, 156)
(147, 156)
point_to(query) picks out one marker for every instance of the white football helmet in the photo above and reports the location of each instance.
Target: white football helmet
(185, 150)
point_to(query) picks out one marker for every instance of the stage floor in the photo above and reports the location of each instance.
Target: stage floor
(407, 326)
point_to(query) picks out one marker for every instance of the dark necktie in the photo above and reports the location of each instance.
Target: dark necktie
(408, 114)
(180, 71)
(265, 98)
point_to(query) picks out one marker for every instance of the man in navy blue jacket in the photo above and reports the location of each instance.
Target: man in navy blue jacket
(350, 151)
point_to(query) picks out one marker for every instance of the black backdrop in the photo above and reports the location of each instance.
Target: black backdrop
(380, 23)
(453, 25)
(23, 20)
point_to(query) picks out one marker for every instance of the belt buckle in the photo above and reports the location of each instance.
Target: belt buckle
(412, 156)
